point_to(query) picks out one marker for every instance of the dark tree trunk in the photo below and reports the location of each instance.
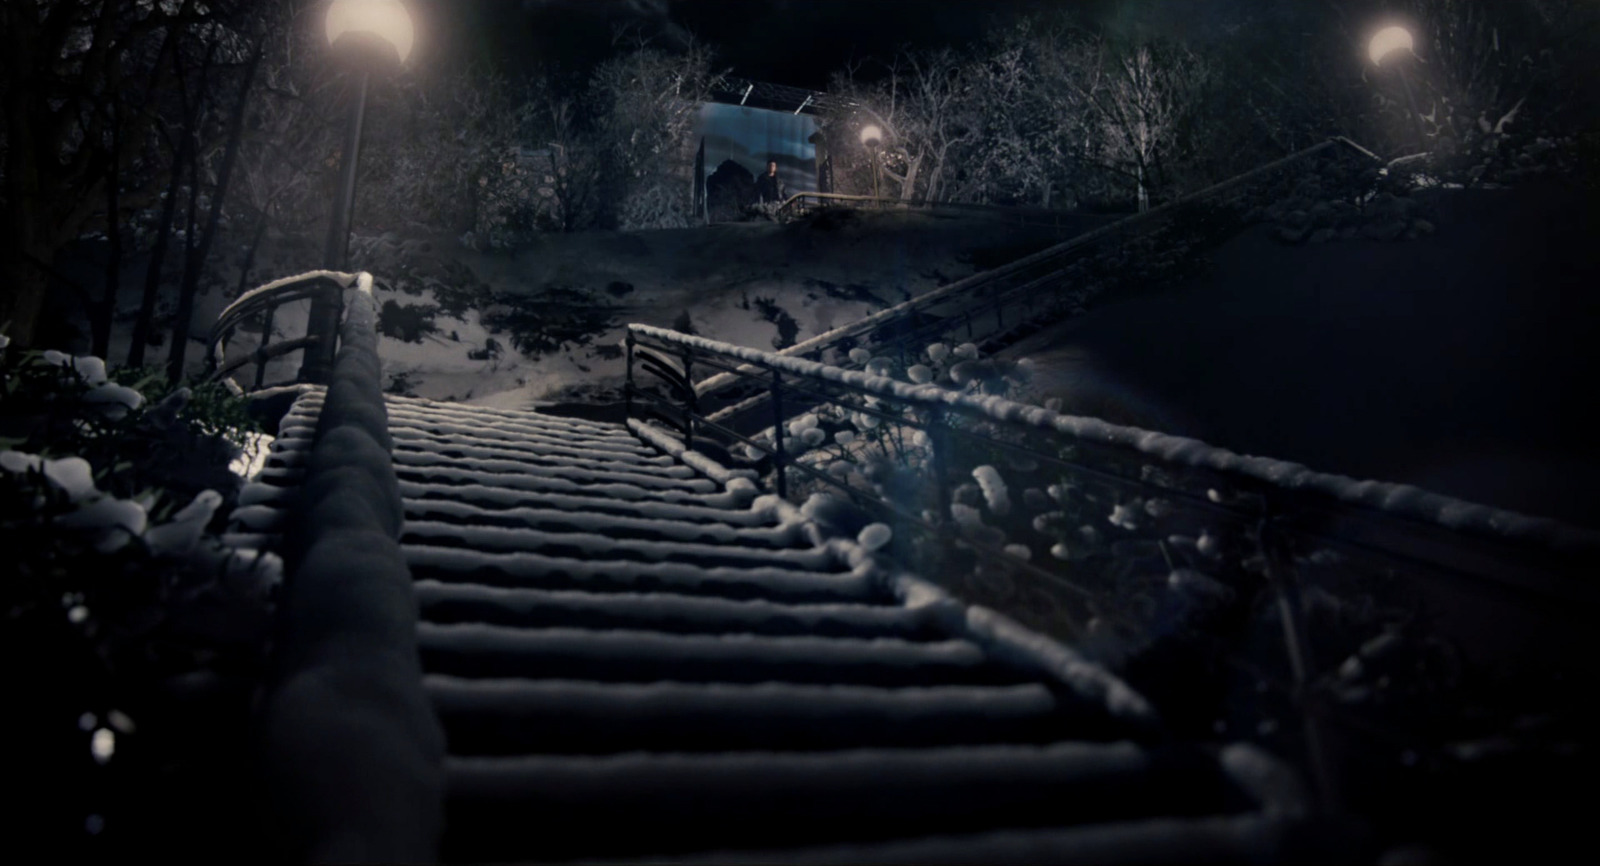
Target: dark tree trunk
(100, 317)
(249, 262)
(184, 154)
(158, 254)
(22, 297)
(198, 251)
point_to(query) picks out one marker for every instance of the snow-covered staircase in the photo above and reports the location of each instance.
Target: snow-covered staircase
(636, 655)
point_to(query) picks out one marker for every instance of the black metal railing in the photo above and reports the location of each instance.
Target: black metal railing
(1231, 590)
(261, 306)
(804, 202)
(1000, 305)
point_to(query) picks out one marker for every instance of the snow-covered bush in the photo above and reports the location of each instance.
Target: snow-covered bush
(121, 603)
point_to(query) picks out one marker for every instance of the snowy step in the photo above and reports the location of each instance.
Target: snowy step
(612, 525)
(281, 476)
(663, 465)
(263, 494)
(478, 650)
(450, 412)
(582, 425)
(1209, 841)
(632, 489)
(667, 612)
(677, 803)
(492, 539)
(535, 446)
(286, 459)
(489, 496)
(620, 441)
(544, 468)
(513, 716)
(536, 571)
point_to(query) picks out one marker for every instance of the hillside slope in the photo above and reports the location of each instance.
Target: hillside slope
(564, 300)
(1464, 362)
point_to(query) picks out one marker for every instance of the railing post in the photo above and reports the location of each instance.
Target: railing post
(780, 456)
(627, 388)
(1291, 616)
(327, 310)
(266, 337)
(938, 445)
(691, 406)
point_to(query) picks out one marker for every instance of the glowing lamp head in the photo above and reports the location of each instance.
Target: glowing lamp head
(871, 136)
(1388, 41)
(387, 19)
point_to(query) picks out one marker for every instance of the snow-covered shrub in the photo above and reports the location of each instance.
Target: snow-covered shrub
(119, 598)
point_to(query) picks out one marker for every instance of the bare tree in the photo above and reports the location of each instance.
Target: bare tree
(921, 102)
(1141, 92)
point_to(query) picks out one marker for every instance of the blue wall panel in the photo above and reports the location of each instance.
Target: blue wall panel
(751, 136)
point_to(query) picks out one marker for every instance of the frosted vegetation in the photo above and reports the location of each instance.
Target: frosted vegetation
(1154, 567)
(134, 617)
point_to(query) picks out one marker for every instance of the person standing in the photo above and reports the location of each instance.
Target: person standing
(769, 187)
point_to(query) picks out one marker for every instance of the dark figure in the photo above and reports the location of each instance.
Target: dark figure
(769, 187)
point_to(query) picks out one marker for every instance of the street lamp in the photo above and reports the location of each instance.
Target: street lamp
(872, 137)
(368, 33)
(1396, 41)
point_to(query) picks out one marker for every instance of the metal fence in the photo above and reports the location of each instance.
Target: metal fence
(1245, 596)
(803, 203)
(1001, 305)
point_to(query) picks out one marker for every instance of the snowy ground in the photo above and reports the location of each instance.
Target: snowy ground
(1464, 362)
(818, 276)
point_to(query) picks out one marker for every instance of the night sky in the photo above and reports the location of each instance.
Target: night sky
(794, 42)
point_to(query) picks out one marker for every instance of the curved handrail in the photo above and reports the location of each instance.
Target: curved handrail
(1043, 258)
(264, 301)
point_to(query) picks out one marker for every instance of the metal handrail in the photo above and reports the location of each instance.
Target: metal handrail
(263, 302)
(1023, 214)
(1046, 261)
(1289, 512)
(1394, 501)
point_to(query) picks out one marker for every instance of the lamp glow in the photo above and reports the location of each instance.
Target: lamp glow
(1387, 41)
(871, 135)
(385, 18)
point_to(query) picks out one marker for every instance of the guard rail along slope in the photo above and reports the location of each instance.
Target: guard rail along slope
(1168, 560)
(999, 304)
(804, 202)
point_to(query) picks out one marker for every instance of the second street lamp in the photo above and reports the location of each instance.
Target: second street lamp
(872, 137)
(1396, 45)
(366, 33)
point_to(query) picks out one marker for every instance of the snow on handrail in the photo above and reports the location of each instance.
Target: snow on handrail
(268, 296)
(353, 752)
(1000, 636)
(867, 323)
(1397, 500)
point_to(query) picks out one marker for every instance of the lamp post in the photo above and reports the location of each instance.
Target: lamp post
(1388, 43)
(371, 32)
(872, 137)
